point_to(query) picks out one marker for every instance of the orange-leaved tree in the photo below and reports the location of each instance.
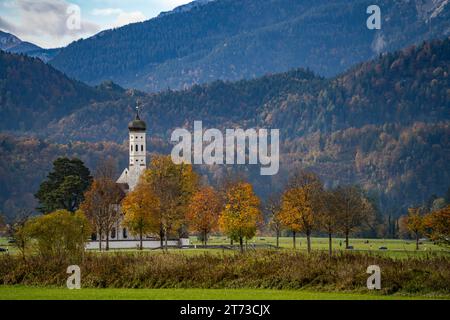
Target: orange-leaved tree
(240, 217)
(203, 212)
(173, 185)
(100, 206)
(141, 209)
(415, 224)
(300, 204)
(438, 224)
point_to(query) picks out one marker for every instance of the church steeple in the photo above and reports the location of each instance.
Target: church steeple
(137, 124)
(137, 135)
(137, 152)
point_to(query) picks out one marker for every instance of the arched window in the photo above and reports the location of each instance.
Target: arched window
(131, 147)
(142, 147)
(113, 233)
(137, 148)
(124, 233)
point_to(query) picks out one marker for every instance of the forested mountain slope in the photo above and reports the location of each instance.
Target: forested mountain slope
(384, 124)
(242, 39)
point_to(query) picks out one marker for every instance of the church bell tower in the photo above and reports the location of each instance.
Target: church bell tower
(137, 162)
(137, 144)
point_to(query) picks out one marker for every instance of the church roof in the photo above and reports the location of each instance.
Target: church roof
(137, 124)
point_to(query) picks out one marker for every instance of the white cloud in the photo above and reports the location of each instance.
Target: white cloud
(106, 12)
(44, 22)
(125, 18)
(122, 17)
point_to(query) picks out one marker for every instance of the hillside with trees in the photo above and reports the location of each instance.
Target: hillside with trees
(383, 124)
(244, 39)
(32, 93)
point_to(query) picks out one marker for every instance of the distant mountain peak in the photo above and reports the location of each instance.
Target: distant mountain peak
(186, 7)
(11, 43)
(8, 40)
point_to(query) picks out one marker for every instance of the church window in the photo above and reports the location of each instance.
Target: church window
(113, 233)
(131, 147)
(137, 148)
(124, 233)
(142, 147)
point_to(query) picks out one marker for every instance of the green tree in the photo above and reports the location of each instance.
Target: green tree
(64, 187)
(59, 235)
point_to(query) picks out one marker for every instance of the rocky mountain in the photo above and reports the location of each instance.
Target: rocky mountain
(245, 39)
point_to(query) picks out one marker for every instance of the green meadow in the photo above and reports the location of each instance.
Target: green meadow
(49, 293)
(396, 248)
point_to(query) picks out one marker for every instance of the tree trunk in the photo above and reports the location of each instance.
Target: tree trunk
(100, 240)
(346, 239)
(308, 240)
(241, 244)
(205, 239)
(330, 244)
(293, 238)
(278, 238)
(161, 237)
(417, 241)
(140, 240)
(107, 241)
(165, 240)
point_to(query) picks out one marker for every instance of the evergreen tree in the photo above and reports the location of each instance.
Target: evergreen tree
(65, 186)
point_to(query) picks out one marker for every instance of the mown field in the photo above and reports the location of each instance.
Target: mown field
(396, 248)
(49, 293)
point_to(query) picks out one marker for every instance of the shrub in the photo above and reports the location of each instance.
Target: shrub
(260, 269)
(59, 235)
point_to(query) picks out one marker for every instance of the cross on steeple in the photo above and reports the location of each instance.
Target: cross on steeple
(137, 110)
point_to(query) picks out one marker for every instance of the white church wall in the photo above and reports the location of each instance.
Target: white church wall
(134, 244)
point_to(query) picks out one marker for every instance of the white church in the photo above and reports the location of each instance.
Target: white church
(120, 238)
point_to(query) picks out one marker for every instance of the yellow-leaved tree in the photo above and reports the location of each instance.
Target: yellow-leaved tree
(203, 212)
(141, 211)
(240, 217)
(173, 185)
(301, 204)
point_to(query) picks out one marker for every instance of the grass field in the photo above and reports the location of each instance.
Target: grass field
(395, 248)
(35, 293)
(338, 243)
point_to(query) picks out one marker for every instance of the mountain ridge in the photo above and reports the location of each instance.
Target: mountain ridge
(233, 40)
(383, 124)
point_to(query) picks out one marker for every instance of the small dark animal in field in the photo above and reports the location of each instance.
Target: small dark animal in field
(383, 248)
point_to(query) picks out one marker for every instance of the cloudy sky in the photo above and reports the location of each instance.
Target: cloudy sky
(55, 23)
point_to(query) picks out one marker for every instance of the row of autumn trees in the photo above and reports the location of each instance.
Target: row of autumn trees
(434, 224)
(171, 201)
